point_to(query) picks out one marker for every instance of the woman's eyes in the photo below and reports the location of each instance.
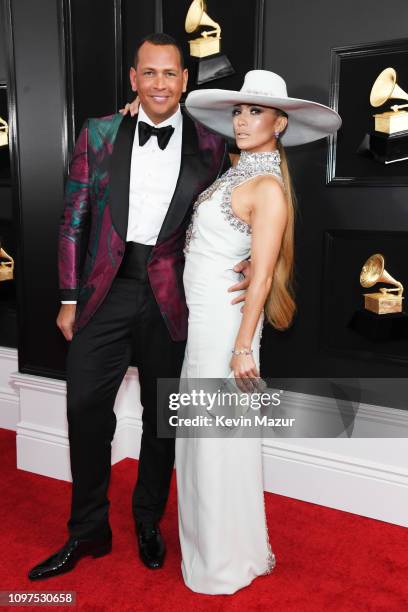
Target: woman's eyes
(253, 111)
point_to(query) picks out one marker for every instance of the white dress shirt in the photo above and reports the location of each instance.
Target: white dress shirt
(153, 177)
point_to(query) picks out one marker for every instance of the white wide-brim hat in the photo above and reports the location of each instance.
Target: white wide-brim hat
(307, 121)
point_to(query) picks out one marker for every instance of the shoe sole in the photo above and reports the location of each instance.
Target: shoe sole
(99, 551)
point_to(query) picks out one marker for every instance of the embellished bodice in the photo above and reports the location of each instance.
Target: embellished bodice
(215, 225)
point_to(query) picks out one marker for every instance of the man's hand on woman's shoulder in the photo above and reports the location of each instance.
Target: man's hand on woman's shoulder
(131, 107)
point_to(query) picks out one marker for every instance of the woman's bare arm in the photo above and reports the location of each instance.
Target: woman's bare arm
(268, 221)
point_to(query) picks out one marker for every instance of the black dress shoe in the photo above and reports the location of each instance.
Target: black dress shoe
(68, 556)
(151, 545)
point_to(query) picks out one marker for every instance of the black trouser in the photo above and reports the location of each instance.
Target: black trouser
(128, 323)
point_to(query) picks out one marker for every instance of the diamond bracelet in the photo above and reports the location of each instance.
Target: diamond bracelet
(242, 352)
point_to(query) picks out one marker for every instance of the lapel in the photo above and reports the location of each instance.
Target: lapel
(190, 175)
(120, 174)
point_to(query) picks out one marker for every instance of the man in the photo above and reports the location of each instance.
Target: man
(128, 197)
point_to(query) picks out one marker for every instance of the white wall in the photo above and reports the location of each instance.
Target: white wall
(366, 476)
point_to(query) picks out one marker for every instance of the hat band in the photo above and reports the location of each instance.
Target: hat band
(260, 92)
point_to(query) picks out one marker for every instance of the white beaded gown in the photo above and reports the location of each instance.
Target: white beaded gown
(222, 524)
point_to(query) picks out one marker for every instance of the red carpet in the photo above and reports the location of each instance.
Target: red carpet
(326, 560)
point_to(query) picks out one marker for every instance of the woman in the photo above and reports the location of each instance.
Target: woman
(249, 211)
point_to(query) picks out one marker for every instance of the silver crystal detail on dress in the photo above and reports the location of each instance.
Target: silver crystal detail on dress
(249, 165)
(271, 562)
(204, 195)
(271, 559)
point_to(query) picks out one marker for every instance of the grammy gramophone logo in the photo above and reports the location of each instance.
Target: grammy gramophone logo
(383, 301)
(212, 64)
(386, 88)
(382, 319)
(6, 266)
(388, 141)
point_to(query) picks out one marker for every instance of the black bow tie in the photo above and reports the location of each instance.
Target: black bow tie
(163, 134)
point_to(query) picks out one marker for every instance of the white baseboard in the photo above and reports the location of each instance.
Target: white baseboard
(42, 431)
(366, 475)
(363, 470)
(364, 487)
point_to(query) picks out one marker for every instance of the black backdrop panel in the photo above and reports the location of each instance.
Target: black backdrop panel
(4, 150)
(8, 237)
(240, 36)
(8, 309)
(40, 96)
(92, 39)
(3, 47)
(138, 20)
(99, 51)
(357, 69)
(299, 37)
(297, 44)
(346, 253)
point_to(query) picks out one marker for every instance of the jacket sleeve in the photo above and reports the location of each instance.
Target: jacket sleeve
(74, 219)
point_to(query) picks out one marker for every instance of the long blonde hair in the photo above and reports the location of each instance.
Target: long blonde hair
(280, 304)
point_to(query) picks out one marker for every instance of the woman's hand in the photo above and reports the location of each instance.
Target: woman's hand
(131, 107)
(245, 372)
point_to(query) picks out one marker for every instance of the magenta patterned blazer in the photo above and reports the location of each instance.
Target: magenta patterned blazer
(93, 225)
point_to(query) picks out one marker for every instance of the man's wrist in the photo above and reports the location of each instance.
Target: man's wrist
(69, 295)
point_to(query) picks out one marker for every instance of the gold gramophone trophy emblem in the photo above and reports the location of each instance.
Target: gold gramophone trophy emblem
(212, 64)
(4, 130)
(7, 266)
(381, 302)
(389, 139)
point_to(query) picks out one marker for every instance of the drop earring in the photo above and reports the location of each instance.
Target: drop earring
(277, 135)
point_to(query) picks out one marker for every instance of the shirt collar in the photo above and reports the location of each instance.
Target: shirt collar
(175, 120)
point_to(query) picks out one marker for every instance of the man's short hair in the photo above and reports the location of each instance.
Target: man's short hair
(159, 39)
